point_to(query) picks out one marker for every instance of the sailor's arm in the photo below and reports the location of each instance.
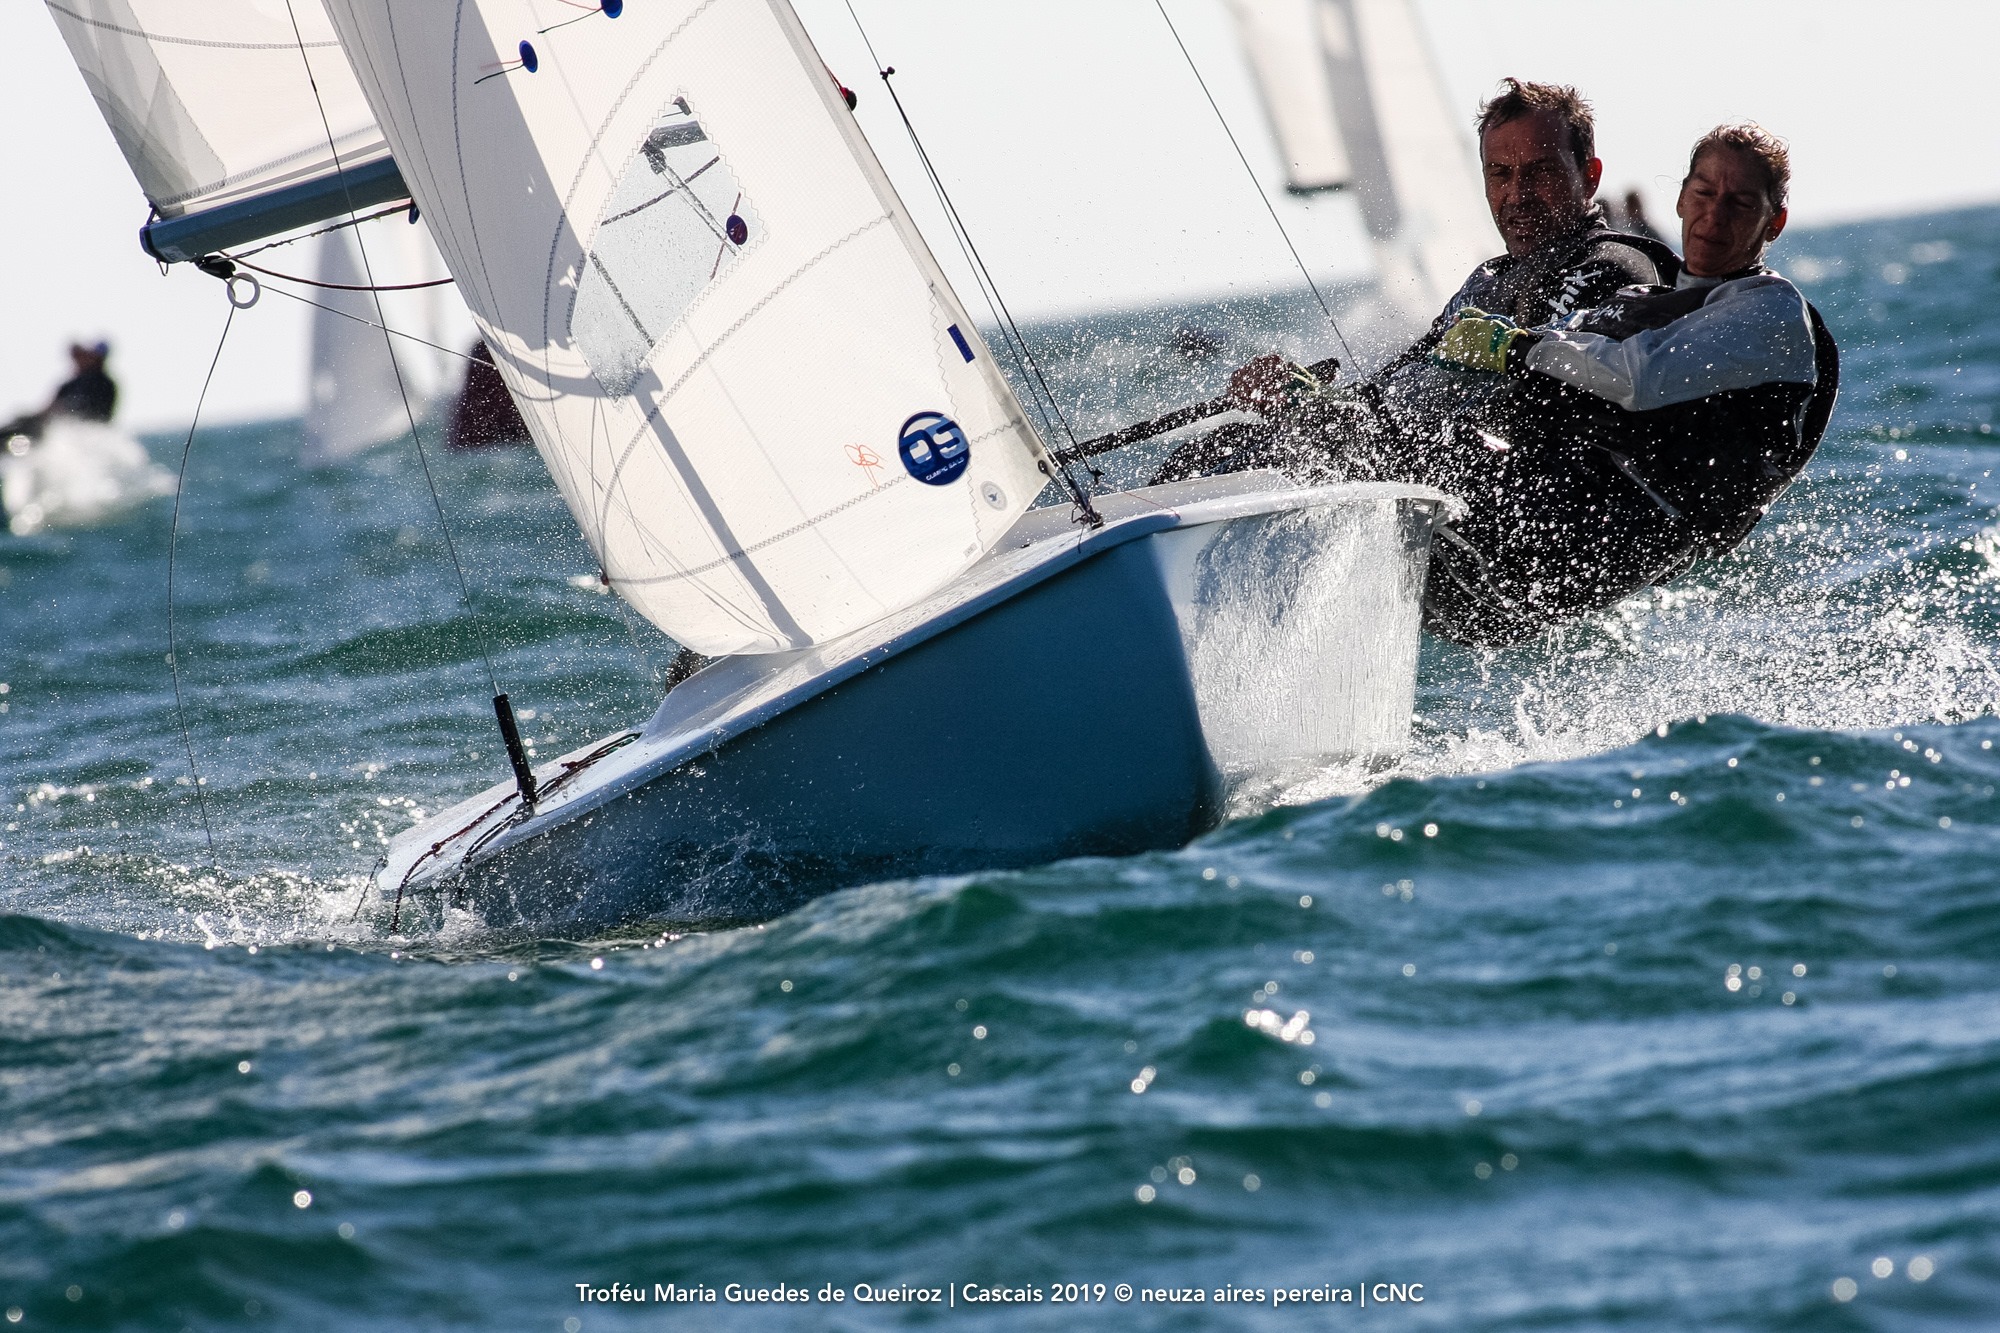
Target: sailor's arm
(1591, 281)
(1752, 331)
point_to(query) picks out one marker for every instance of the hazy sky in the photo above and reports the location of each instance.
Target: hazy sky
(1079, 149)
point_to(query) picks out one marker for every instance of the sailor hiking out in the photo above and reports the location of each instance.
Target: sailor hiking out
(1599, 451)
(1540, 172)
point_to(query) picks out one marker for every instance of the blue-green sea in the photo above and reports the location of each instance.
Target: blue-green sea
(1657, 988)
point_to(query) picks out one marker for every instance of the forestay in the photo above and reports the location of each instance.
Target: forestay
(209, 99)
(760, 398)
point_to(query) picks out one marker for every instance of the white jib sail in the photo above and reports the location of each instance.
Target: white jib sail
(354, 391)
(760, 398)
(209, 99)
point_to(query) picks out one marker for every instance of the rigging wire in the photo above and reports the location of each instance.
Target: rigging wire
(423, 456)
(369, 323)
(1017, 344)
(173, 532)
(239, 261)
(1255, 184)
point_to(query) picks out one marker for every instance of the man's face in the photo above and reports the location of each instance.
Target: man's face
(1533, 185)
(1726, 216)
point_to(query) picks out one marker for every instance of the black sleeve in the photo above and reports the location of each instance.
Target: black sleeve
(1604, 269)
(1517, 352)
(1467, 294)
(1637, 267)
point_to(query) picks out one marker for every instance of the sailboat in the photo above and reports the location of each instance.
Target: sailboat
(1356, 103)
(359, 382)
(790, 447)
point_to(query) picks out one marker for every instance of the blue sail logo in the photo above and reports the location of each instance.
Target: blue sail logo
(934, 448)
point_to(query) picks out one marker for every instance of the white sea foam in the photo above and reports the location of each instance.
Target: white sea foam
(78, 474)
(1796, 633)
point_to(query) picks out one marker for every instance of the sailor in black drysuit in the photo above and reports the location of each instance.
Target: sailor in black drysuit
(1612, 452)
(1575, 270)
(1602, 453)
(1539, 169)
(1580, 269)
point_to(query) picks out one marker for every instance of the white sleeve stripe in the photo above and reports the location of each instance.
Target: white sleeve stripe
(1749, 332)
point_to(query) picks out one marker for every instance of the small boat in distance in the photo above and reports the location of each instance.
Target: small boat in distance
(78, 474)
(1355, 103)
(483, 413)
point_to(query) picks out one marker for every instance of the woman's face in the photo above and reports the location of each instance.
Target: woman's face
(1726, 215)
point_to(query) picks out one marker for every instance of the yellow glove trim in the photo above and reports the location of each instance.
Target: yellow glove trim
(1477, 342)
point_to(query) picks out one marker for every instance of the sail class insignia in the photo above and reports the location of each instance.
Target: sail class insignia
(934, 448)
(676, 221)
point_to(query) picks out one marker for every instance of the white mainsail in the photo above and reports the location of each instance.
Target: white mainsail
(759, 396)
(209, 99)
(1366, 68)
(354, 390)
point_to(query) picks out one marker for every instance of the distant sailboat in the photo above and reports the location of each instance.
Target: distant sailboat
(355, 392)
(790, 448)
(1355, 102)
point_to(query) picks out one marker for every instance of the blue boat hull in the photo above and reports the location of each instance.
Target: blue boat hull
(1054, 707)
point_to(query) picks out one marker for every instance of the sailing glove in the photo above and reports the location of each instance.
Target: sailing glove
(1478, 341)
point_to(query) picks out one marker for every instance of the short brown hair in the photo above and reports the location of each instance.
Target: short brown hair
(1519, 98)
(1756, 142)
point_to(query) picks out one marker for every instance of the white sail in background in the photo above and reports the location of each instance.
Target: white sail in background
(1444, 228)
(1282, 39)
(1365, 66)
(209, 99)
(767, 410)
(353, 398)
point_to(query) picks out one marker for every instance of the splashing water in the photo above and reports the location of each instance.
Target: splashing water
(1653, 988)
(78, 474)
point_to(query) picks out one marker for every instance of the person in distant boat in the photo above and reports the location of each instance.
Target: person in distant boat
(89, 394)
(484, 412)
(1632, 217)
(1608, 450)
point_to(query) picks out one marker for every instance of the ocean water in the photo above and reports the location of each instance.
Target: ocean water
(1657, 988)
